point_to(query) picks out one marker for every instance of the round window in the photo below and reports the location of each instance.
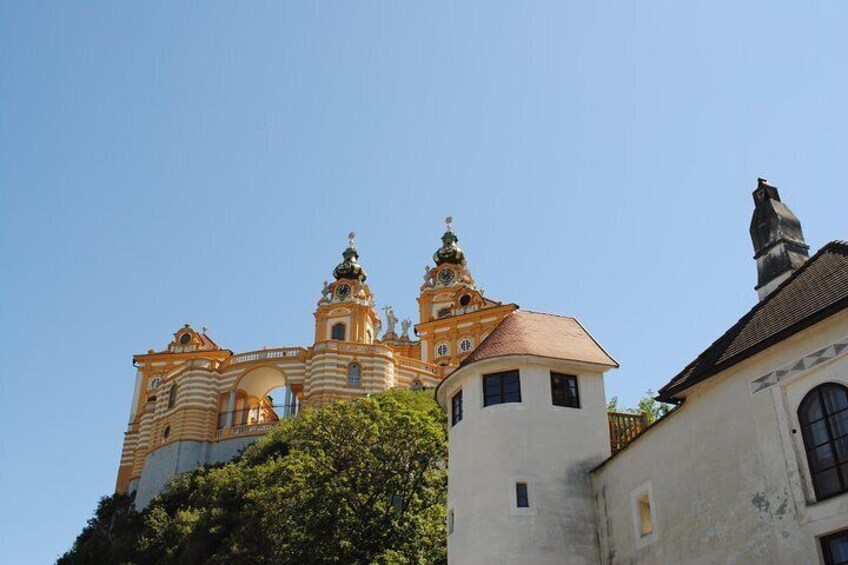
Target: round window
(442, 349)
(185, 338)
(465, 345)
(154, 383)
(464, 300)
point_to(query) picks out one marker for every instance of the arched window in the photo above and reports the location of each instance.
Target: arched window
(354, 375)
(338, 332)
(823, 416)
(444, 313)
(172, 396)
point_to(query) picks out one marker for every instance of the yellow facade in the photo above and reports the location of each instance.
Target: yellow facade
(194, 390)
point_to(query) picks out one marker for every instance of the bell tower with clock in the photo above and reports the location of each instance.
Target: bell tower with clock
(346, 311)
(454, 316)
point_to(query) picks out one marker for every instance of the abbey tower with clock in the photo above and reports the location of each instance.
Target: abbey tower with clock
(197, 403)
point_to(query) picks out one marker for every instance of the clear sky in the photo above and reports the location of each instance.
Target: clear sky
(166, 162)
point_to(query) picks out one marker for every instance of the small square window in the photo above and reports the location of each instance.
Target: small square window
(644, 515)
(646, 523)
(456, 408)
(522, 500)
(564, 390)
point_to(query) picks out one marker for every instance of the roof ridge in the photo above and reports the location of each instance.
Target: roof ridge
(741, 324)
(551, 314)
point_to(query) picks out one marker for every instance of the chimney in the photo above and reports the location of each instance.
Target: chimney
(779, 246)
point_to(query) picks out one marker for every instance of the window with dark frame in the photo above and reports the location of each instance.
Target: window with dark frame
(338, 332)
(521, 498)
(172, 396)
(823, 415)
(564, 390)
(456, 408)
(501, 388)
(354, 375)
(835, 548)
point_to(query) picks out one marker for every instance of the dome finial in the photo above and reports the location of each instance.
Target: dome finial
(350, 268)
(449, 252)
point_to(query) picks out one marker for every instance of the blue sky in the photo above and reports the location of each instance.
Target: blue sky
(166, 162)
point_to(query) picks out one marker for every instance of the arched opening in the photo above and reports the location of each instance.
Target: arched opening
(260, 397)
(823, 416)
(338, 332)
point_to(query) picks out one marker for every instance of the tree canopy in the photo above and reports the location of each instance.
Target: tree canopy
(356, 482)
(647, 405)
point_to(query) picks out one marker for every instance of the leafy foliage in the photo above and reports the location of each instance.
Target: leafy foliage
(647, 404)
(353, 483)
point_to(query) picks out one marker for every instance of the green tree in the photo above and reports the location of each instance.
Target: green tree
(647, 404)
(354, 483)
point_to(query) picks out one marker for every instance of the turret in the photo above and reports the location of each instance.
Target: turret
(779, 246)
(527, 419)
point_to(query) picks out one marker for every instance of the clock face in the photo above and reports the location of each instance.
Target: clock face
(446, 276)
(342, 291)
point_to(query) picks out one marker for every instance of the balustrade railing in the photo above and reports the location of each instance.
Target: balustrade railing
(254, 419)
(263, 354)
(420, 365)
(624, 427)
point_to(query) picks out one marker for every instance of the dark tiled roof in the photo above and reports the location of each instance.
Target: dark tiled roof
(544, 335)
(815, 291)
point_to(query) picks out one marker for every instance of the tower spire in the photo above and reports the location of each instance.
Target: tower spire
(779, 246)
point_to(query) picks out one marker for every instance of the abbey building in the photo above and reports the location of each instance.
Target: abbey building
(197, 403)
(750, 466)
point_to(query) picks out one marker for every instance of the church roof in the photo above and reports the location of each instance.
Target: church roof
(818, 289)
(523, 332)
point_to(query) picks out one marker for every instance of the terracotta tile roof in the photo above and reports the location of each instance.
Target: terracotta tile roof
(815, 291)
(545, 335)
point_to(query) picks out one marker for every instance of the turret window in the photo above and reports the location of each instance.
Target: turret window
(338, 332)
(442, 349)
(456, 408)
(522, 500)
(564, 390)
(354, 375)
(823, 416)
(501, 388)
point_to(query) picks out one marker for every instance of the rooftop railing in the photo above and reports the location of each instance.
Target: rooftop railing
(624, 427)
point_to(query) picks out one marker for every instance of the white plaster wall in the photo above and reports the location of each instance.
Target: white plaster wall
(551, 447)
(728, 475)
